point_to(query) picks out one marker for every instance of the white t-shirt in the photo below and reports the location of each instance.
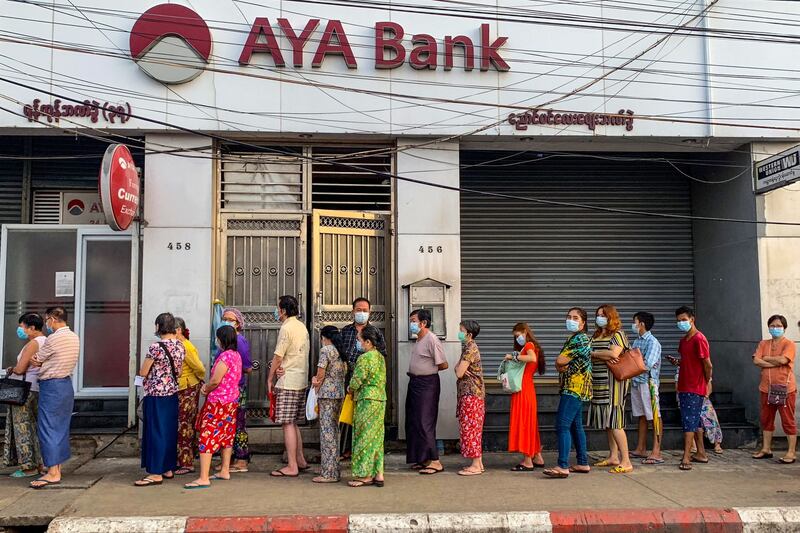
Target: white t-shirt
(32, 374)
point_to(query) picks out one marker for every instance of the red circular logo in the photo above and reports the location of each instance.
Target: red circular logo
(119, 187)
(171, 43)
(75, 207)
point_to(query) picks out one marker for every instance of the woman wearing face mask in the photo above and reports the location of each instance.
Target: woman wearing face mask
(241, 451)
(608, 395)
(189, 382)
(21, 441)
(523, 432)
(574, 365)
(368, 387)
(471, 409)
(329, 383)
(778, 388)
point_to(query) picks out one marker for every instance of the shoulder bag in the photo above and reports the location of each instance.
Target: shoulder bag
(778, 392)
(510, 375)
(630, 364)
(14, 391)
(140, 405)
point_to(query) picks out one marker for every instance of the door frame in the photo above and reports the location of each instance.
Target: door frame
(85, 235)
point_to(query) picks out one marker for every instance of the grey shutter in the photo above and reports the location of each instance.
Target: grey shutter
(11, 170)
(528, 262)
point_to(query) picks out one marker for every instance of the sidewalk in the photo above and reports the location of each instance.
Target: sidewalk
(103, 488)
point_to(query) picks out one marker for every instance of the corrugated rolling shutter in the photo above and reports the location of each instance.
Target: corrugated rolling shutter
(529, 262)
(11, 171)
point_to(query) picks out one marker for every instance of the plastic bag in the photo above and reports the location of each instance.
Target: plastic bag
(312, 408)
(510, 375)
(346, 416)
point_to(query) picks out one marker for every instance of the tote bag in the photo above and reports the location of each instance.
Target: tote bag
(346, 416)
(510, 375)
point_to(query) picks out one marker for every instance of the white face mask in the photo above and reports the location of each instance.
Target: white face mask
(601, 321)
(361, 317)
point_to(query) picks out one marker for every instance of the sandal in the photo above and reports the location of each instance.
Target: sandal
(467, 472)
(417, 466)
(238, 470)
(431, 471)
(652, 461)
(685, 466)
(785, 461)
(523, 468)
(358, 483)
(762, 455)
(555, 474)
(42, 483)
(700, 461)
(638, 455)
(217, 477)
(195, 485)
(576, 470)
(147, 482)
(281, 473)
(619, 469)
(183, 471)
(604, 462)
(321, 479)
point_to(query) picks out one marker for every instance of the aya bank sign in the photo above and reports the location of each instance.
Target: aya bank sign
(172, 44)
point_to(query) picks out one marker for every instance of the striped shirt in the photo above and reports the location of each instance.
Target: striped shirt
(59, 355)
(651, 350)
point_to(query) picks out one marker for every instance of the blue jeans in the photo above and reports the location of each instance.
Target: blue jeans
(569, 427)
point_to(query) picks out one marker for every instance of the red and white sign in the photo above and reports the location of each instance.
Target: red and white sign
(119, 187)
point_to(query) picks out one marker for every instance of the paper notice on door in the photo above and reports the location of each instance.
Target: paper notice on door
(65, 284)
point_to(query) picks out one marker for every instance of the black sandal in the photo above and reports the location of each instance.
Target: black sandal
(523, 468)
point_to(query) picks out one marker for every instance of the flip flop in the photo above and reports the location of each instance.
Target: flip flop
(281, 473)
(431, 471)
(358, 483)
(555, 474)
(304, 469)
(603, 463)
(538, 465)
(324, 480)
(147, 482)
(417, 466)
(785, 461)
(638, 455)
(619, 469)
(43, 483)
(237, 470)
(578, 471)
(21, 474)
(183, 471)
(685, 466)
(696, 460)
(217, 477)
(467, 473)
(523, 468)
(761, 455)
(378, 483)
(195, 486)
(168, 477)
(652, 461)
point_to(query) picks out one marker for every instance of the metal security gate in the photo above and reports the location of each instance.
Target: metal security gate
(265, 258)
(350, 259)
(529, 262)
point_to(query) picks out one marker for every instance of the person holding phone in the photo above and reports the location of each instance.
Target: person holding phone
(694, 380)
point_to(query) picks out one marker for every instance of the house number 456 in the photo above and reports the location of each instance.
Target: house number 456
(430, 249)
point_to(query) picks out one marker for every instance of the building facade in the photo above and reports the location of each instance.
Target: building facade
(522, 161)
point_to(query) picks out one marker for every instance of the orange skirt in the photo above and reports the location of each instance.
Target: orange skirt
(523, 432)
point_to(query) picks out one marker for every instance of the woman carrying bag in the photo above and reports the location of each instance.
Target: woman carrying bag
(523, 431)
(160, 369)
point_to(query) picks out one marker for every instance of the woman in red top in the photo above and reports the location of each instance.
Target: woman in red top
(523, 432)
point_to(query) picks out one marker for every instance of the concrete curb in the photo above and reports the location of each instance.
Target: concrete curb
(737, 520)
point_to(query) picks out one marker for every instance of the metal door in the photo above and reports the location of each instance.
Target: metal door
(265, 258)
(350, 259)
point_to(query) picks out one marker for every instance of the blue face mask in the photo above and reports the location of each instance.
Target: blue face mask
(776, 332)
(521, 340)
(634, 329)
(277, 314)
(48, 329)
(684, 325)
(24, 336)
(573, 326)
(601, 321)
(413, 327)
(228, 323)
(359, 346)
(361, 317)
(462, 336)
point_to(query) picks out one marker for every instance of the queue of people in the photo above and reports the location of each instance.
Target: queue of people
(352, 370)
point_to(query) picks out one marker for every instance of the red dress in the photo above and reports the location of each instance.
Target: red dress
(523, 432)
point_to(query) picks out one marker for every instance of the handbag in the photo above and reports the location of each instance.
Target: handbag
(777, 392)
(271, 398)
(14, 391)
(346, 416)
(510, 375)
(140, 403)
(630, 365)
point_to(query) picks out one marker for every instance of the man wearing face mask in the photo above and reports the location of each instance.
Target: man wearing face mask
(349, 336)
(694, 381)
(422, 398)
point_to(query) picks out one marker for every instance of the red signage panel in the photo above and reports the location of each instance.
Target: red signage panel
(119, 187)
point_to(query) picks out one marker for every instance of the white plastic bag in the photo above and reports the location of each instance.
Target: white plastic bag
(312, 409)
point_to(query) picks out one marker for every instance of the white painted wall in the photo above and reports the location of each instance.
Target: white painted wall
(428, 216)
(778, 250)
(555, 62)
(178, 208)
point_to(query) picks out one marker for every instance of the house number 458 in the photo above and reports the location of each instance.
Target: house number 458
(179, 246)
(430, 249)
